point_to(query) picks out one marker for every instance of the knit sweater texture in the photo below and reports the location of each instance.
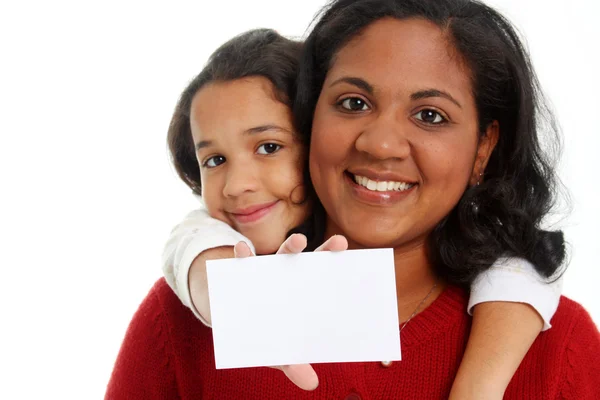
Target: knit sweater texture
(168, 354)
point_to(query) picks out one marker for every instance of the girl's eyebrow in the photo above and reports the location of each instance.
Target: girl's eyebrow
(203, 144)
(268, 127)
(254, 130)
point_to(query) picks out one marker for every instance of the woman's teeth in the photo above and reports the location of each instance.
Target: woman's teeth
(381, 186)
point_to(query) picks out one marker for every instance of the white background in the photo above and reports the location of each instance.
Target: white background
(88, 196)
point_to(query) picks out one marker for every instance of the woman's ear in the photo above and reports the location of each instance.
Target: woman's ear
(485, 147)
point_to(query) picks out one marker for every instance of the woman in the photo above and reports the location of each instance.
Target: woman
(414, 112)
(439, 96)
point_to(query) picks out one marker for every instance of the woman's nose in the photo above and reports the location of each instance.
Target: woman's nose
(385, 138)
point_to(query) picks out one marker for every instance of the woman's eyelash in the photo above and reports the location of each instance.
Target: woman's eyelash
(431, 117)
(353, 104)
(428, 116)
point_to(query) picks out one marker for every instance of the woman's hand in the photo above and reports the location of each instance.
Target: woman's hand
(302, 375)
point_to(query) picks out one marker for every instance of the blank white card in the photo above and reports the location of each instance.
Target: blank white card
(304, 308)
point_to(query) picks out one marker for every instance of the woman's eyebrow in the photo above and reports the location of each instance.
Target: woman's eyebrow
(358, 82)
(423, 94)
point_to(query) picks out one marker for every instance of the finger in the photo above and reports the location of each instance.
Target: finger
(301, 375)
(334, 243)
(242, 250)
(294, 244)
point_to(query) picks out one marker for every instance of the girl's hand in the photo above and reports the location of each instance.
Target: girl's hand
(302, 375)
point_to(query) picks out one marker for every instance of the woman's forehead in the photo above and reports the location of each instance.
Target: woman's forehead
(412, 52)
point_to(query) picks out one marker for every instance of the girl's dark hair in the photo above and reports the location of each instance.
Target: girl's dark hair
(502, 216)
(259, 52)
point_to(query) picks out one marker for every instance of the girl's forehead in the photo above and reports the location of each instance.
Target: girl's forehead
(241, 108)
(246, 98)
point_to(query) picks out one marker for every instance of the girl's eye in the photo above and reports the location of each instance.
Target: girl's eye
(431, 117)
(268, 148)
(354, 104)
(214, 161)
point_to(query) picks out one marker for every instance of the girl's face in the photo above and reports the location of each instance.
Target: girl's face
(250, 160)
(395, 135)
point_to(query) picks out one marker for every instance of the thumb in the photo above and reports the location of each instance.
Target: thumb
(301, 375)
(242, 250)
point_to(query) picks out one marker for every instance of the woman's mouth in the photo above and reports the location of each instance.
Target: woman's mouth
(382, 186)
(379, 191)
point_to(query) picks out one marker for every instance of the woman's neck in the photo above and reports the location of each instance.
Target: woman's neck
(414, 276)
(415, 280)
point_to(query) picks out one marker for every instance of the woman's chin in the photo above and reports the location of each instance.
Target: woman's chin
(371, 242)
(376, 239)
(371, 232)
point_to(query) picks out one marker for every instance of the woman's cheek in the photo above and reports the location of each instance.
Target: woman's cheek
(447, 159)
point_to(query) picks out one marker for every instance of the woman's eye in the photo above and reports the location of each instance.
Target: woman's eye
(214, 161)
(354, 104)
(268, 148)
(430, 117)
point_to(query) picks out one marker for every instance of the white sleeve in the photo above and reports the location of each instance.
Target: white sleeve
(197, 232)
(516, 280)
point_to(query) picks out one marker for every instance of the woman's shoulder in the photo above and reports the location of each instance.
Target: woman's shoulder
(572, 329)
(570, 315)
(563, 360)
(164, 303)
(568, 353)
(162, 317)
(163, 341)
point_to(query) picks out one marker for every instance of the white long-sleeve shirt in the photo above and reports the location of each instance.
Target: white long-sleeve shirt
(509, 279)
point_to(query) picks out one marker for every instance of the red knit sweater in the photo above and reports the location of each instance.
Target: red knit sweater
(168, 354)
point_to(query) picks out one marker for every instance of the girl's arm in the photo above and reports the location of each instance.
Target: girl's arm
(511, 303)
(198, 238)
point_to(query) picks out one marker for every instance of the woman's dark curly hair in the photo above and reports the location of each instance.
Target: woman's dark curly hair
(520, 182)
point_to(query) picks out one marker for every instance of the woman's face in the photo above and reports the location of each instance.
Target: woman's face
(395, 135)
(250, 160)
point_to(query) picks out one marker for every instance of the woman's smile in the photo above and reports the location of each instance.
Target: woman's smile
(379, 191)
